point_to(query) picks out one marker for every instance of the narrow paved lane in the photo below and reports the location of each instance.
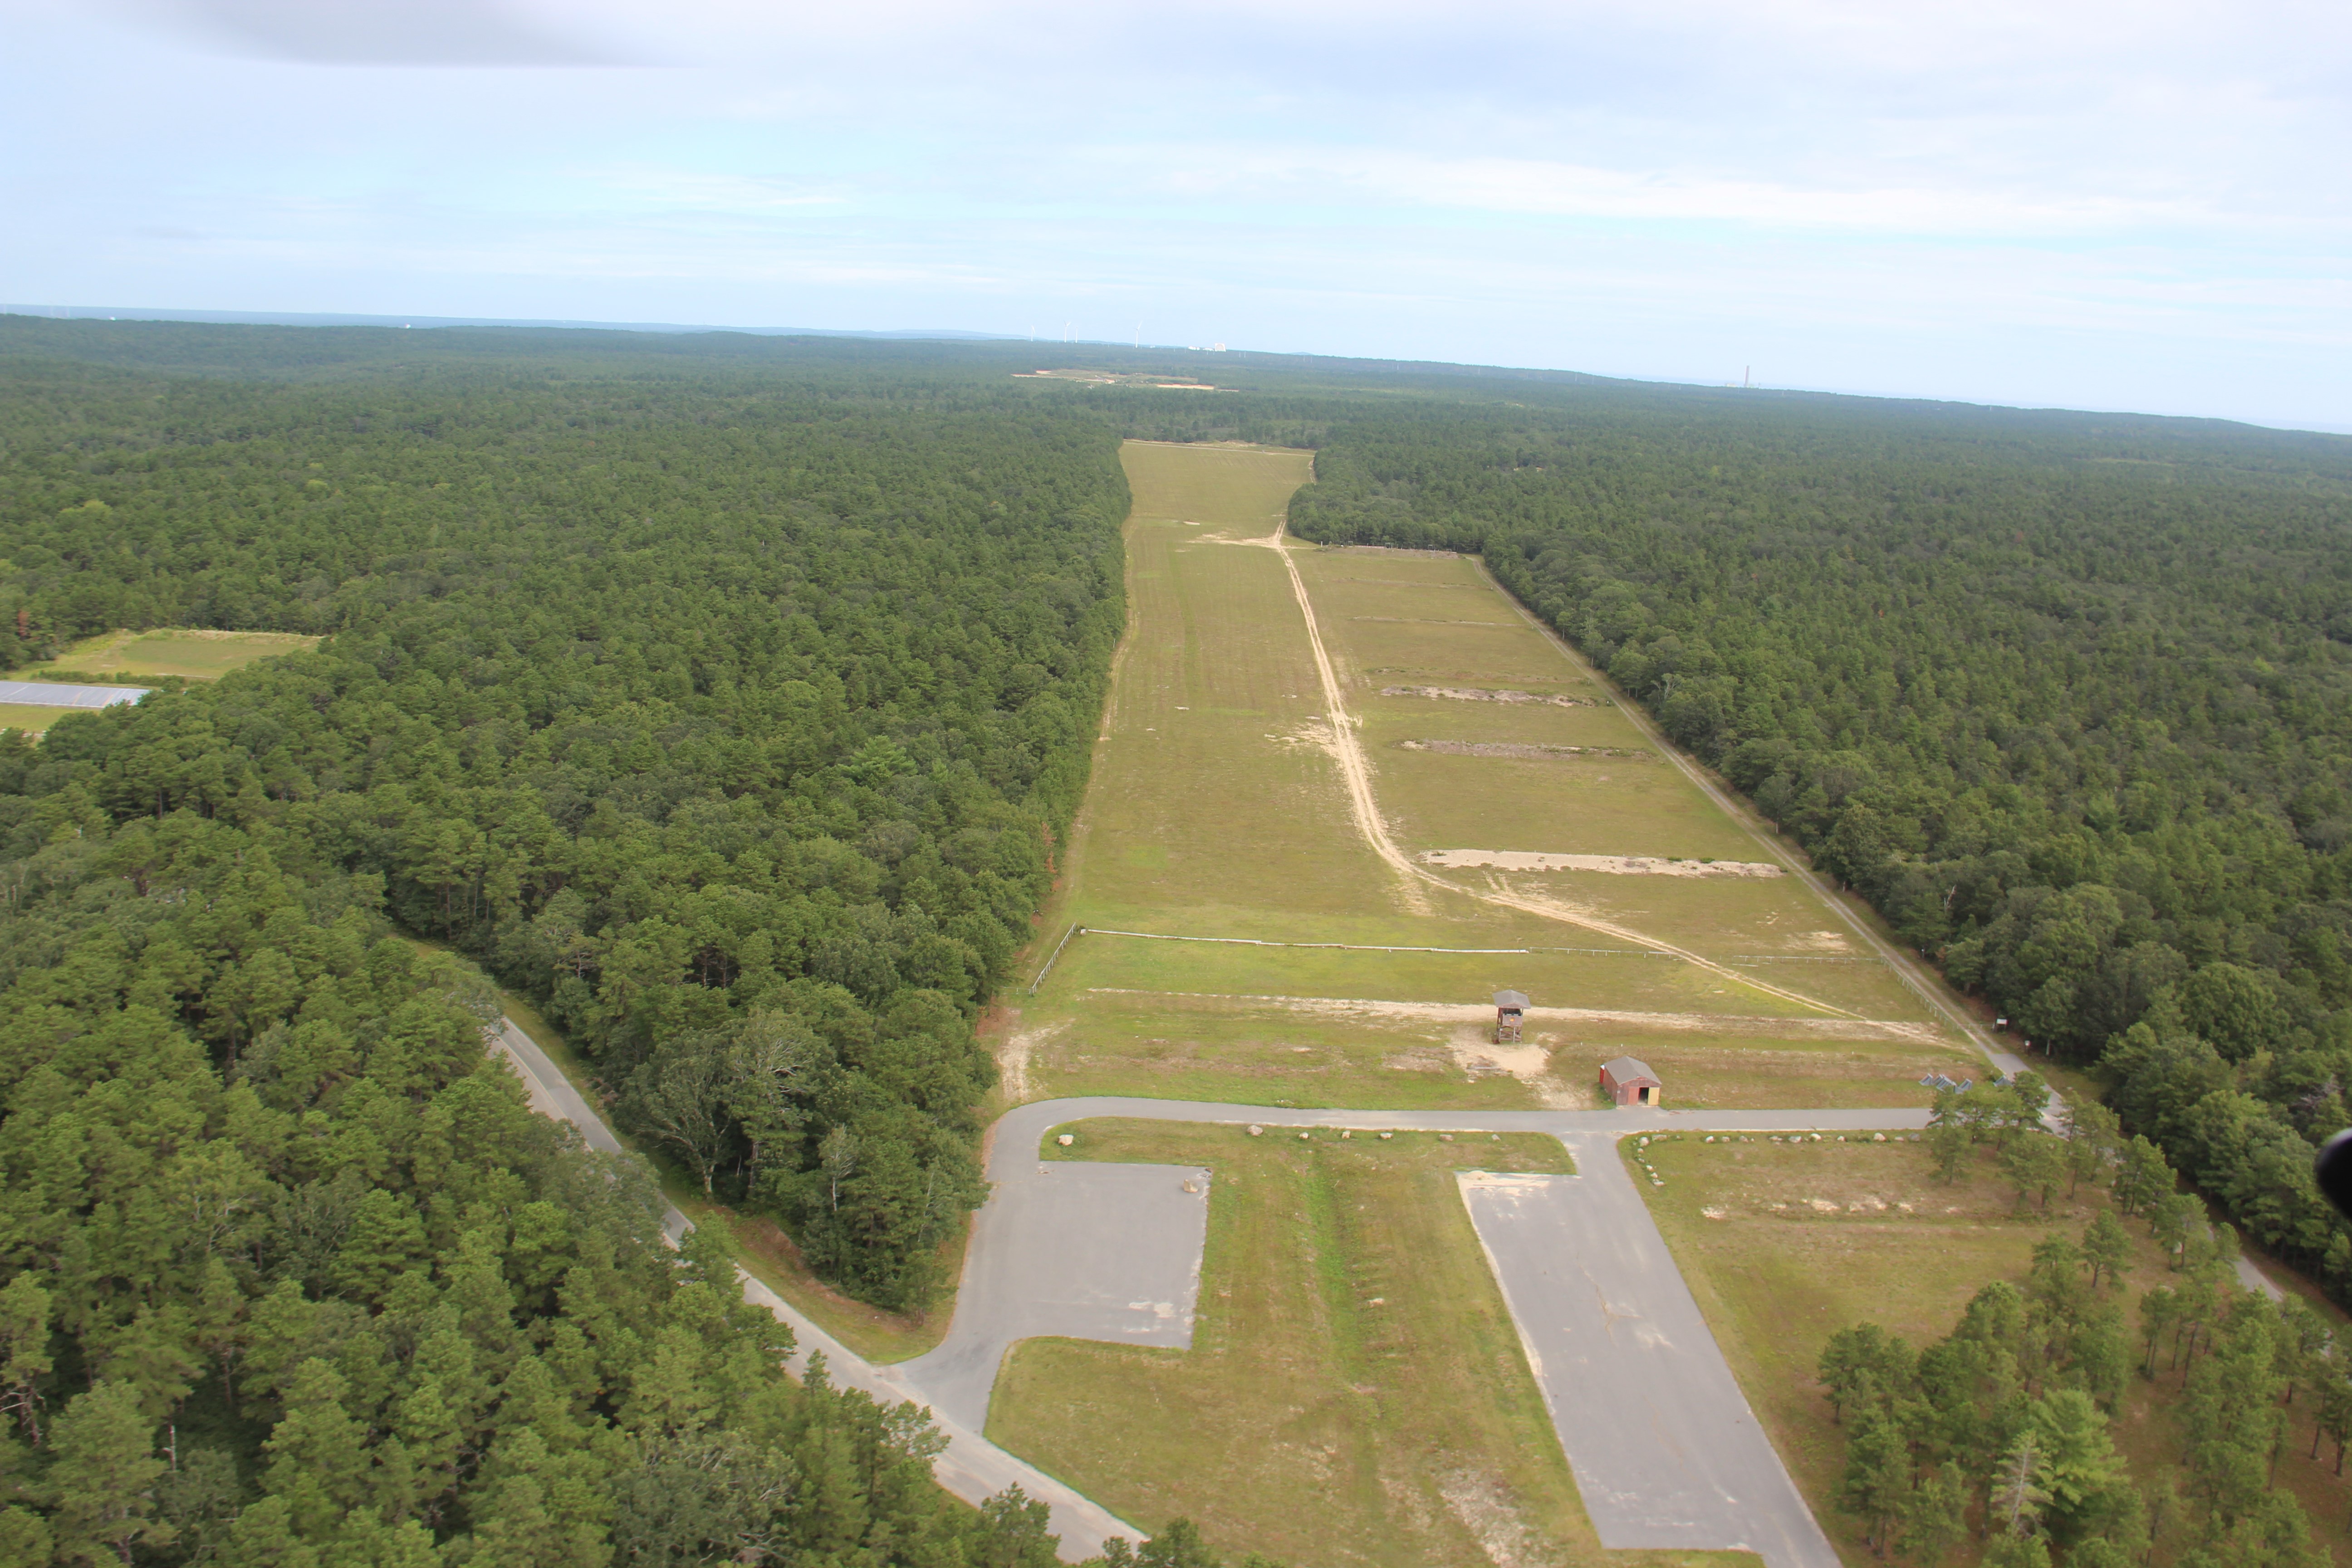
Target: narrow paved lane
(1666, 1451)
(973, 1467)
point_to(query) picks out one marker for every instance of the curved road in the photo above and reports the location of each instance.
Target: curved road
(972, 1468)
(1665, 1450)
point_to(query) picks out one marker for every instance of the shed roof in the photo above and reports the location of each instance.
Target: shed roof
(1510, 999)
(1628, 1070)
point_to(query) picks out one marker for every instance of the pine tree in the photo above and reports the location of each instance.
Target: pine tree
(1937, 1519)
(318, 1462)
(1178, 1546)
(2076, 1464)
(2160, 1308)
(1012, 1533)
(1877, 1480)
(24, 1356)
(2017, 1500)
(2107, 1248)
(101, 1488)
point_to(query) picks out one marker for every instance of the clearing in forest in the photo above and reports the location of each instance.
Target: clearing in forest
(191, 653)
(1371, 750)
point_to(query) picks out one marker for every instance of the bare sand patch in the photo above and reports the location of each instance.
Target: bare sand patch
(1012, 1058)
(1483, 1505)
(1482, 694)
(1614, 865)
(1474, 1052)
(1522, 749)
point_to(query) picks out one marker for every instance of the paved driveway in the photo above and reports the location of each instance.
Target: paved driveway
(972, 1468)
(1087, 1251)
(1666, 1449)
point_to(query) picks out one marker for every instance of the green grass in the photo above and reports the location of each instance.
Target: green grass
(1354, 1387)
(191, 653)
(1215, 810)
(1236, 1049)
(32, 718)
(1775, 1282)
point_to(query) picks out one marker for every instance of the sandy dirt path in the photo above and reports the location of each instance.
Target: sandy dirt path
(1363, 806)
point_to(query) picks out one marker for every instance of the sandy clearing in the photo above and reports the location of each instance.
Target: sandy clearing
(1474, 1052)
(1526, 750)
(1012, 1058)
(1482, 694)
(1845, 1028)
(1614, 865)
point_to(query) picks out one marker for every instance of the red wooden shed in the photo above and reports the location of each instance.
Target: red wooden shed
(1628, 1081)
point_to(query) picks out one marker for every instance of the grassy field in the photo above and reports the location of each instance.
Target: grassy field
(1775, 1277)
(193, 653)
(1218, 808)
(1355, 1394)
(33, 719)
(1264, 1050)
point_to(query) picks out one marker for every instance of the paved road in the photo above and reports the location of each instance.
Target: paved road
(1017, 1132)
(55, 694)
(1082, 1250)
(973, 1467)
(1666, 1449)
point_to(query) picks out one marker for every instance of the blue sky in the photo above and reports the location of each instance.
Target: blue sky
(2138, 206)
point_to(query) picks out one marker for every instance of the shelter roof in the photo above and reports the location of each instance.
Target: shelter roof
(1510, 999)
(1626, 1070)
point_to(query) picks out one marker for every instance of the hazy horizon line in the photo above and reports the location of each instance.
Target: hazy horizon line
(961, 334)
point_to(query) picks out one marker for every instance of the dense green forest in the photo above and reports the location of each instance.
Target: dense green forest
(734, 716)
(2067, 697)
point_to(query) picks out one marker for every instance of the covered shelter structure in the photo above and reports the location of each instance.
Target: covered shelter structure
(1629, 1081)
(1510, 1011)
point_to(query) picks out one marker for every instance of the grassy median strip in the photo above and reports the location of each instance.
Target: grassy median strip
(1356, 1393)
